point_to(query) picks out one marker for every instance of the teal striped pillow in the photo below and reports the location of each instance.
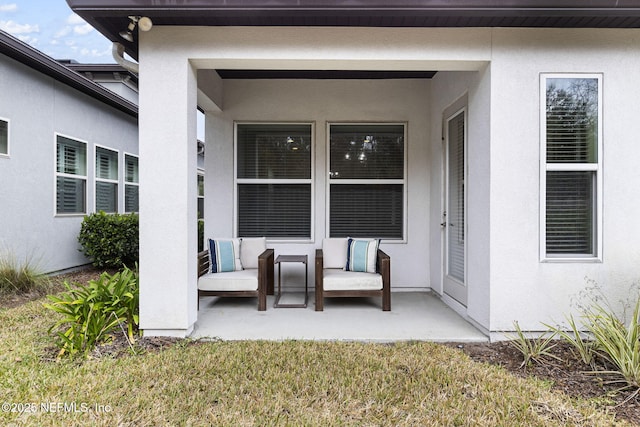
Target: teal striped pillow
(224, 255)
(361, 255)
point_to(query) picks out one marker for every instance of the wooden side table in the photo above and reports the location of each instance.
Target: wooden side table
(292, 258)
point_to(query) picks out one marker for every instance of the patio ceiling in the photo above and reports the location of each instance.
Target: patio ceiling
(110, 16)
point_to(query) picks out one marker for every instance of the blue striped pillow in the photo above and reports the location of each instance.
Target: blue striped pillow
(224, 255)
(362, 255)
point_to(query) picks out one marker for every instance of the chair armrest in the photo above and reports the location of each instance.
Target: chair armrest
(203, 263)
(319, 267)
(265, 272)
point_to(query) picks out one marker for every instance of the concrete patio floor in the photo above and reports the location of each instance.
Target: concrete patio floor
(413, 316)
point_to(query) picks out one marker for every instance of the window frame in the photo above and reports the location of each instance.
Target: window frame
(125, 183)
(311, 180)
(404, 181)
(57, 174)
(8, 153)
(96, 179)
(596, 168)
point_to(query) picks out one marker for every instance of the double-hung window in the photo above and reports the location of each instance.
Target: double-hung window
(367, 180)
(130, 183)
(4, 137)
(274, 180)
(106, 180)
(572, 166)
(71, 176)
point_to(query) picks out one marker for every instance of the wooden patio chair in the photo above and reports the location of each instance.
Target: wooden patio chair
(254, 279)
(332, 280)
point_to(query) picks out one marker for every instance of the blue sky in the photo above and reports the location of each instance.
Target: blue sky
(51, 27)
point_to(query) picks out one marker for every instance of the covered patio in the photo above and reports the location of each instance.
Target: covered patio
(419, 316)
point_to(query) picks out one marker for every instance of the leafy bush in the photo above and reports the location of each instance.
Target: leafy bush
(20, 277)
(200, 235)
(110, 240)
(92, 312)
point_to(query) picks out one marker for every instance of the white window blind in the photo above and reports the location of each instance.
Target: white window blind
(131, 183)
(367, 180)
(273, 177)
(4, 137)
(71, 176)
(106, 180)
(572, 141)
(455, 213)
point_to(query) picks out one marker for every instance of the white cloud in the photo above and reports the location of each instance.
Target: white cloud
(62, 32)
(74, 19)
(33, 41)
(16, 29)
(10, 7)
(82, 30)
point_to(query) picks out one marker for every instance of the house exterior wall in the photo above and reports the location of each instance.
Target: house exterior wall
(39, 107)
(522, 287)
(498, 69)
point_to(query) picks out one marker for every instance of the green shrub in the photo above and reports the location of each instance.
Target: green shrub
(90, 313)
(20, 276)
(110, 240)
(200, 235)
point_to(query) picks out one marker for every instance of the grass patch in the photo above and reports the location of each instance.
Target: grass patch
(268, 383)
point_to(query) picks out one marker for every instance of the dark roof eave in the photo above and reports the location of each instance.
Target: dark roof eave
(25, 54)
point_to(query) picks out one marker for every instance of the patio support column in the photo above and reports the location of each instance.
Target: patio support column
(168, 203)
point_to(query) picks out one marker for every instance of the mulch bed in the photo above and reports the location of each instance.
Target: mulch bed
(569, 375)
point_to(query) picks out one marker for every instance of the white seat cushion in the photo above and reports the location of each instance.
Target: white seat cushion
(340, 280)
(243, 280)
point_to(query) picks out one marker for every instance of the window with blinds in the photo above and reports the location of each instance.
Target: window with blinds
(4, 137)
(106, 180)
(71, 176)
(367, 180)
(200, 196)
(131, 183)
(572, 163)
(273, 178)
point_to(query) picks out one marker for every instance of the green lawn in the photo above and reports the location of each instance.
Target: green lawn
(266, 383)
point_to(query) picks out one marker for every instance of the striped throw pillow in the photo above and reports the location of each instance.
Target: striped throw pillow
(224, 255)
(361, 255)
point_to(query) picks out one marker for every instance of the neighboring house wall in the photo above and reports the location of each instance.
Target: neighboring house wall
(39, 107)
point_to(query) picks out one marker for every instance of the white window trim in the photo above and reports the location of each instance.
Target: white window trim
(125, 183)
(402, 181)
(116, 181)
(8, 153)
(200, 174)
(237, 181)
(596, 167)
(57, 174)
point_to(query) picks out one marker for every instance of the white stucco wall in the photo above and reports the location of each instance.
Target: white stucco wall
(37, 108)
(522, 287)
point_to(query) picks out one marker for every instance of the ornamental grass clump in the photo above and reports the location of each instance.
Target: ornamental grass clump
(19, 277)
(91, 313)
(532, 349)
